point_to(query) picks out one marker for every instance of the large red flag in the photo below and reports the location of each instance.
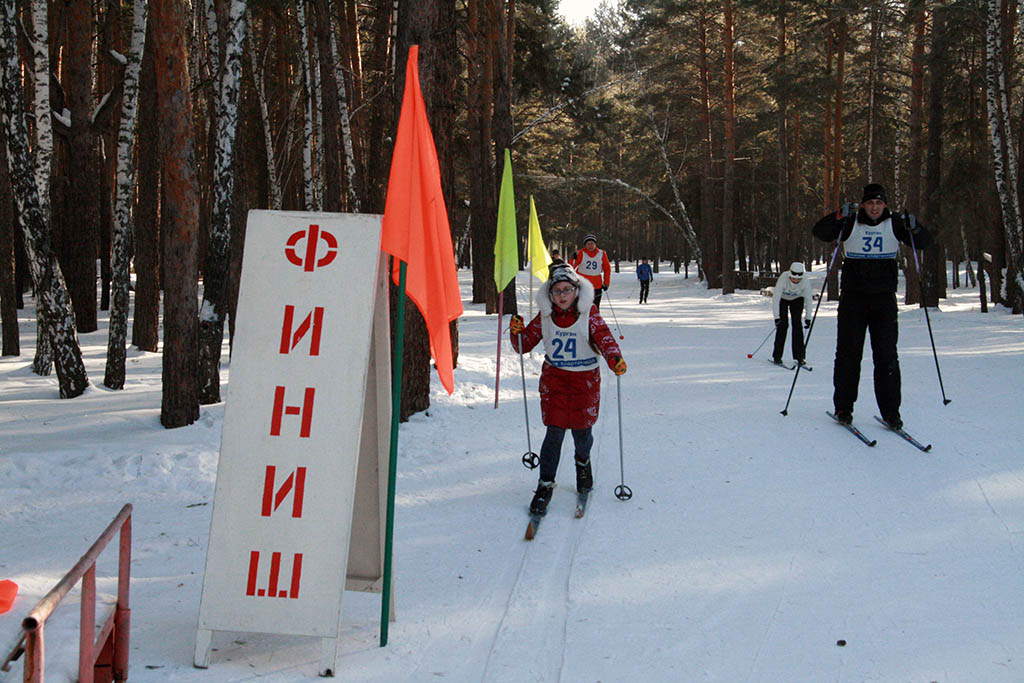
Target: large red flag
(416, 224)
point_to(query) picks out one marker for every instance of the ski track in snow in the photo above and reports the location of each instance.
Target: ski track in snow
(995, 513)
(544, 593)
(533, 627)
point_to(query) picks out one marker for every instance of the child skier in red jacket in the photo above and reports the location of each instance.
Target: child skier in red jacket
(570, 379)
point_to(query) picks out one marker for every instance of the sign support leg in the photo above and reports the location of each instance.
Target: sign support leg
(202, 656)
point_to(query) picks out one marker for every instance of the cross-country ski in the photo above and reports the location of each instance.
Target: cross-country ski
(901, 432)
(581, 503)
(853, 430)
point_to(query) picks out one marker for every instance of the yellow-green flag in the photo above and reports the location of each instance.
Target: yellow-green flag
(506, 252)
(540, 259)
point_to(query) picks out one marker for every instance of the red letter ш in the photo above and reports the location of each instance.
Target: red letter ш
(306, 410)
(271, 501)
(289, 339)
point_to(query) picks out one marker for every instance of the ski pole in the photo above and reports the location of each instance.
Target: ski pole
(774, 327)
(622, 492)
(612, 308)
(920, 281)
(821, 295)
(530, 459)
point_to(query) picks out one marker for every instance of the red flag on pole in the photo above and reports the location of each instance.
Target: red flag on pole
(416, 226)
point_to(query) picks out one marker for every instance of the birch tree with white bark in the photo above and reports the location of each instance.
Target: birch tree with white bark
(1004, 159)
(307, 83)
(257, 64)
(43, 360)
(346, 128)
(124, 195)
(214, 308)
(53, 303)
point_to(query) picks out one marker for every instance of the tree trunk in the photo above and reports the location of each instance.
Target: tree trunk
(122, 233)
(146, 320)
(256, 58)
(916, 144)
(52, 300)
(501, 128)
(311, 201)
(826, 166)
(381, 121)
(712, 263)
(482, 207)
(41, 103)
(837, 119)
(180, 405)
(833, 149)
(78, 241)
(348, 146)
(800, 235)
(352, 91)
(1004, 162)
(783, 205)
(8, 296)
(728, 248)
(215, 269)
(330, 124)
(872, 87)
(933, 279)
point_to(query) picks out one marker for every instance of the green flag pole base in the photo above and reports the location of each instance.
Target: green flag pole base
(396, 408)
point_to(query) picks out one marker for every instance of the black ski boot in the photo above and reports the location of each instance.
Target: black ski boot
(584, 476)
(541, 498)
(894, 421)
(844, 417)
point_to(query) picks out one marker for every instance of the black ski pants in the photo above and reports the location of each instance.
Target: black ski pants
(645, 289)
(858, 314)
(792, 308)
(551, 449)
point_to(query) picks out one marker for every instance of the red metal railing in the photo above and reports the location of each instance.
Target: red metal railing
(102, 657)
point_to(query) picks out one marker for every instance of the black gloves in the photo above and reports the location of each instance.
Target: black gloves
(807, 323)
(910, 221)
(604, 288)
(777, 321)
(848, 208)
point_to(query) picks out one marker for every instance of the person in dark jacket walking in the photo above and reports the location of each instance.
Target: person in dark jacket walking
(869, 235)
(575, 337)
(644, 274)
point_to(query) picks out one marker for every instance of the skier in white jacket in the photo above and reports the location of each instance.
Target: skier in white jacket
(791, 297)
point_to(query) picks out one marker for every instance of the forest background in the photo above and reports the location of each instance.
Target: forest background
(138, 135)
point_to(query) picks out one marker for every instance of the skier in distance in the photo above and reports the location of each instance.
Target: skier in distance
(791, 298)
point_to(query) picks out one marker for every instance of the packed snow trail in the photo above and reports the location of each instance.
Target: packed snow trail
(533, 628)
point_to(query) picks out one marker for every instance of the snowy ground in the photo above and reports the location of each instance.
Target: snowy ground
(753, 543)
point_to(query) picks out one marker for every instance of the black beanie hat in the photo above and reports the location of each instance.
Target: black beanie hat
(874, 191)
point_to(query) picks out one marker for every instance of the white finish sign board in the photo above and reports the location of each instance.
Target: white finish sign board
(286, 478)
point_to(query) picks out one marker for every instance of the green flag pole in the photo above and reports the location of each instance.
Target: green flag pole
(396, 406)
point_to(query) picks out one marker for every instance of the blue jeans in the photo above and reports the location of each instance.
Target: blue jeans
(551, 449)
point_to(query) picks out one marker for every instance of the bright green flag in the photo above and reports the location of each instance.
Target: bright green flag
(540, 259)
(506, 251)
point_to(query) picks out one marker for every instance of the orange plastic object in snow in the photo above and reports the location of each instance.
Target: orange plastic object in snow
(8, 589)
